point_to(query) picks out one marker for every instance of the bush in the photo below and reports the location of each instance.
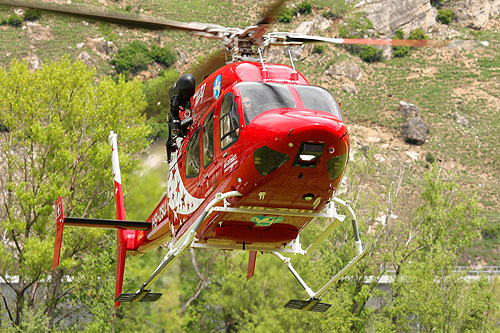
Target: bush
(319, 48)
(305, 7)
(491, 232)
(286, 15)
(132, 59)
(136, 57)
(418, 34)
(370, 53)
(429, 158)
(163, 55)
(14, 20)
(445, 16)
(400, 51)
(32, 14)
(329, 15)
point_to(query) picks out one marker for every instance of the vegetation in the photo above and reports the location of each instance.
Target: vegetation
(286, 15)
(400, 51)
(59, 121)
(305, 7)
(136, 57)
(445, 16)
(420, 224)
(32, 14)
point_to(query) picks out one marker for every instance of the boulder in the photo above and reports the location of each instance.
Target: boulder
(305, 27)
(350, 88)
(102, 47)
(415, 131)
(346, 68)
(87, 59)
(320, 23)
(33, 62)
(408, 110)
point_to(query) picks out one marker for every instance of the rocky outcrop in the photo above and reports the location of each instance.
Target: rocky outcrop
(104, 48)
(346, 68)
(388, 16)
(475, 14)
(414, 130)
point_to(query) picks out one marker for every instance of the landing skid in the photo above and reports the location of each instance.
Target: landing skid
(313, 303)
(309, 305)
(181, 245)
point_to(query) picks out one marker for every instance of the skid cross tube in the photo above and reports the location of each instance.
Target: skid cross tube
(181, 245)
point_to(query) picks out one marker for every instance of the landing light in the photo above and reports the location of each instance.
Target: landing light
(307, 158)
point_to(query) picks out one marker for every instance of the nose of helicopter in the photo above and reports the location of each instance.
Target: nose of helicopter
(297, 156)
(299, 143)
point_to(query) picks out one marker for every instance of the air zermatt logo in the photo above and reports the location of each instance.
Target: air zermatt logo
(217, 86)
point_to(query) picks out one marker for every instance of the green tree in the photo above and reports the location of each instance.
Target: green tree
(59, 120)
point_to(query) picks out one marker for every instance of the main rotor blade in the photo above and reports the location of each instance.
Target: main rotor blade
(300, 38)
(209, 65)
(126, 19)
(271, 12)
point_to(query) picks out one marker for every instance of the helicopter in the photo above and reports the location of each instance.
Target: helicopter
(255, 154)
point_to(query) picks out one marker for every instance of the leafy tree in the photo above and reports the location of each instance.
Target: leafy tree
(58, 121)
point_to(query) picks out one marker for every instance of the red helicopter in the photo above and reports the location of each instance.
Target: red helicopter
(256, 153)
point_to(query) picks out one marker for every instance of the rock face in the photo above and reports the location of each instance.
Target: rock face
(388, 16)
(475, 14)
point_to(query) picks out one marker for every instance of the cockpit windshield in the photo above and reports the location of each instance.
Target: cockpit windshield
(258, 97)
(316, 98)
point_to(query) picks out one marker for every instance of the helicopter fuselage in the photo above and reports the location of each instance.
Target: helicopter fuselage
(286, 152)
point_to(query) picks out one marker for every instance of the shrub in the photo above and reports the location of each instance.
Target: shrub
(445, 16)
(329, 15)
(14, 20)
(370, 53)
(136, 57)
(163, 55)
(286, 15)
(400, 51)
(429, 158)
(32, 14)
(319, 48)
(418, 34)
(305, 7)
(491, 232)
(133, 58)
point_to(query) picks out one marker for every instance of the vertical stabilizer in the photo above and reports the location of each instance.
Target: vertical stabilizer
(121, 238)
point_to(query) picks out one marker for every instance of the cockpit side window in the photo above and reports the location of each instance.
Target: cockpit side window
(193, 155)
(316, 98)
(208, 140)
(229, 121)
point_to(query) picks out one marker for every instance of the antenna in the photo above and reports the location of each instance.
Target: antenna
(291, 58)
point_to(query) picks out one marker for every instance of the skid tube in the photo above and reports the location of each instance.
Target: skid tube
(313, 303)
(187, 240)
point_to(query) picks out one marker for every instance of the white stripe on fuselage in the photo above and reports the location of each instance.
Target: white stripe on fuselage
(179, 199)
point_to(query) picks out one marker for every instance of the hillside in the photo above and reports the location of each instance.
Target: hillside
(457, 91)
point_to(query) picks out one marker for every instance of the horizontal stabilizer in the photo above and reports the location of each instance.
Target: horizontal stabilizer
(140, 296)
(309, 305)
(106, 224)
